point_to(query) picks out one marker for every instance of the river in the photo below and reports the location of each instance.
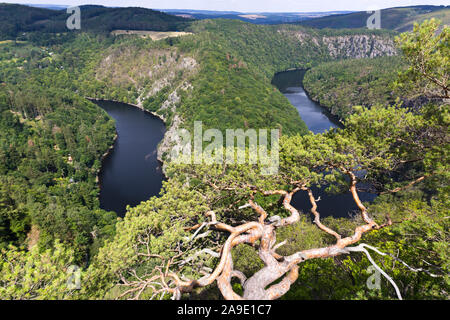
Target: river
(131, 173)
(318, 120)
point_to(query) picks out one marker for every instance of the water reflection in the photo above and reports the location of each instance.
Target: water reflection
(318, 120)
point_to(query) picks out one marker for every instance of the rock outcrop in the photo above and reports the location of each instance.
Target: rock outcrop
(359, 46)
(354, 46)
(146, 74)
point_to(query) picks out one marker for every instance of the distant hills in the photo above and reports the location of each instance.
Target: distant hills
(252, 17)
(19, 18)
(398, 19)
(49, 6)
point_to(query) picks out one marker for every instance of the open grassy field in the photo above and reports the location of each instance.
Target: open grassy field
(154, 35)
(11, 41)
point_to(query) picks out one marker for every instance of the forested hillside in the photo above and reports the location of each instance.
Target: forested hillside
(215, 222)
(17, 19)
(51, 142)
(399, 19)
(342, 85)
(289, 46)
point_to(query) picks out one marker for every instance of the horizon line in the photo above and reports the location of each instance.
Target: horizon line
(230, 11)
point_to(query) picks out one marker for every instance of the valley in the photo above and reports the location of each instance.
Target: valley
(131, 173)
(89, 119)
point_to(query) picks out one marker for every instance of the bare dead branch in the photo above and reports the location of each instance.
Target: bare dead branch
(260, 234)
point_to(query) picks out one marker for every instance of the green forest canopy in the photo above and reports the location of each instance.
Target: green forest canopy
(52, 140)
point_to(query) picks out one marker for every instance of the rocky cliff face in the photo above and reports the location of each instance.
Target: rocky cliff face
(168, 108)
(359, 46)
(150, 75)
(147, 75)
(354, 46)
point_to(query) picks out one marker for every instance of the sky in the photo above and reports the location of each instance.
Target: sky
(248, 5)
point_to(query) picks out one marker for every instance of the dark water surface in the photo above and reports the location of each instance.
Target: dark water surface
(131, 173)
(318, 120)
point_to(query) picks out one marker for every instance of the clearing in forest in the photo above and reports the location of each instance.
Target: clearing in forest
(154, 35)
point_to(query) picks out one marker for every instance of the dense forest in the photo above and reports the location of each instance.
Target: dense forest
(51, 144)
(342, 85)
(17, 19)
(226, 231)
(399, 19)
